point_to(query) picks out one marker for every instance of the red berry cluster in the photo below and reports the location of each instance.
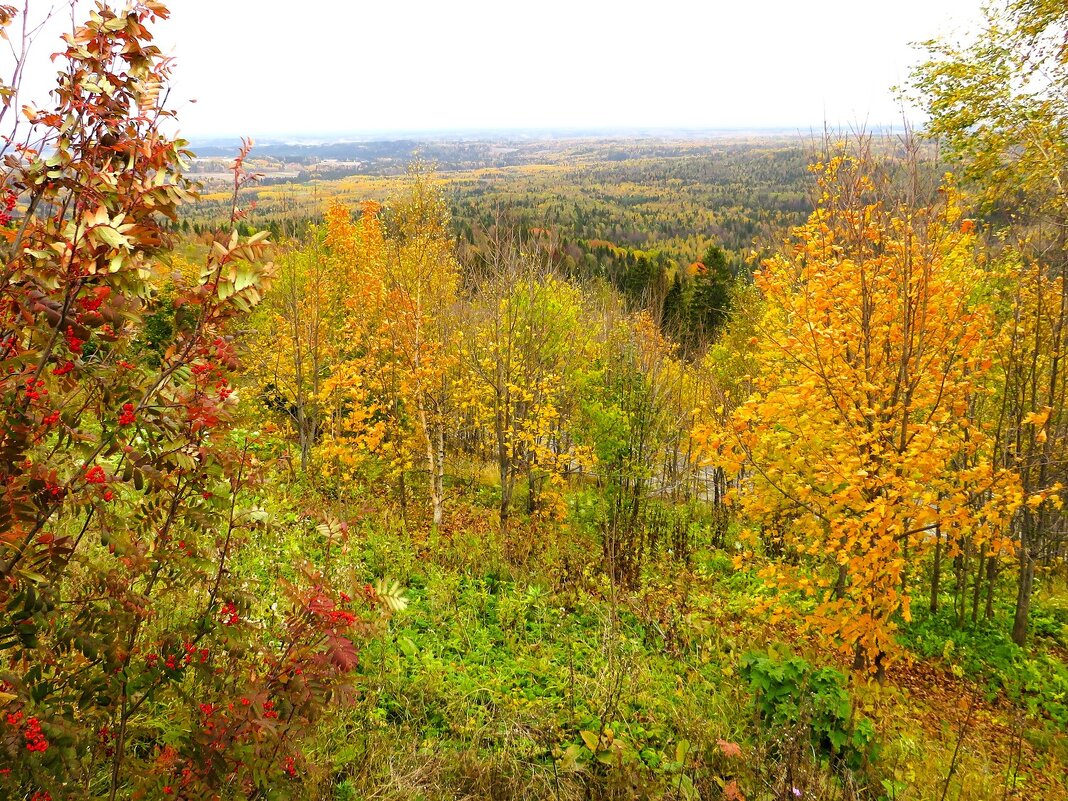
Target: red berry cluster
(35, 389)
(73, 341)
(96, 300)
(10, 199)
(35, 739)
(127, 415)
(191, 653)
(342, 617)
(64, 368)
(177, 661)
(229, 614)
(106, 739)
(95, 475)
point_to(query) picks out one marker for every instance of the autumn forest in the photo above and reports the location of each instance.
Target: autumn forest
(676, 465)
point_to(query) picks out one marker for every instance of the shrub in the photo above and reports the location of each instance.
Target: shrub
(790, 695)
(137, 663)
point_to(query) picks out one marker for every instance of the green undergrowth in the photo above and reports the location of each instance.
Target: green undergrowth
(1035, 679)
(516, 671)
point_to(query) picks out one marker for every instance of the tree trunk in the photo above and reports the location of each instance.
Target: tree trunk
(980, 569)
(504, 468)
(861, 662)
(991, 577)
(531, 491)
(1023, 598)
(430, 434)
(1025, 582)
(936, 573)
(960, 588)
(439, 476)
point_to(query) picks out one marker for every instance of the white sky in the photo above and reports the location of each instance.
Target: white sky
(271, 67)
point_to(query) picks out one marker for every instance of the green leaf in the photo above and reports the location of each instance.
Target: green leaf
(682, 749)
(111, 237)
(392, 594)
(591, 739)
(408, 648)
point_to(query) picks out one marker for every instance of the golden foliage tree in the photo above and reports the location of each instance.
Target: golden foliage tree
(523, 345)
(391, 387)
(1000, 105)
(857, 442)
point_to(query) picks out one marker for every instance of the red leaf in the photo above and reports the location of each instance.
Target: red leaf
(730, 750)
(342, 653)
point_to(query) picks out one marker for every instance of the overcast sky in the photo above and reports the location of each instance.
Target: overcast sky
(268, 67)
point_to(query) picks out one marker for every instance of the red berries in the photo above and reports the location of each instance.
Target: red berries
(63, 369)
(93, 302)
(95, 475)
(73, 341)
(10, 199)
(341, 617)
(229, 614)
(191, 653)
(35, 739)
(127, 416)
(35, 389)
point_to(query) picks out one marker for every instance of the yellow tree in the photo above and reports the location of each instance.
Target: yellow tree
(1000, 106)
(360, 395)
(872, 348)
(390, 391)
(1032, 412)
(421, 279)
(298, 340)
(522, 345)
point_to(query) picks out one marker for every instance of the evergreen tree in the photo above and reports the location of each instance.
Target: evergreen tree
(709, 306)
(674, 311)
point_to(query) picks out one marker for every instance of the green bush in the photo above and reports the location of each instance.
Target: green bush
(790, 694)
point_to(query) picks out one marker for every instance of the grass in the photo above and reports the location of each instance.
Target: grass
(517, 672)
